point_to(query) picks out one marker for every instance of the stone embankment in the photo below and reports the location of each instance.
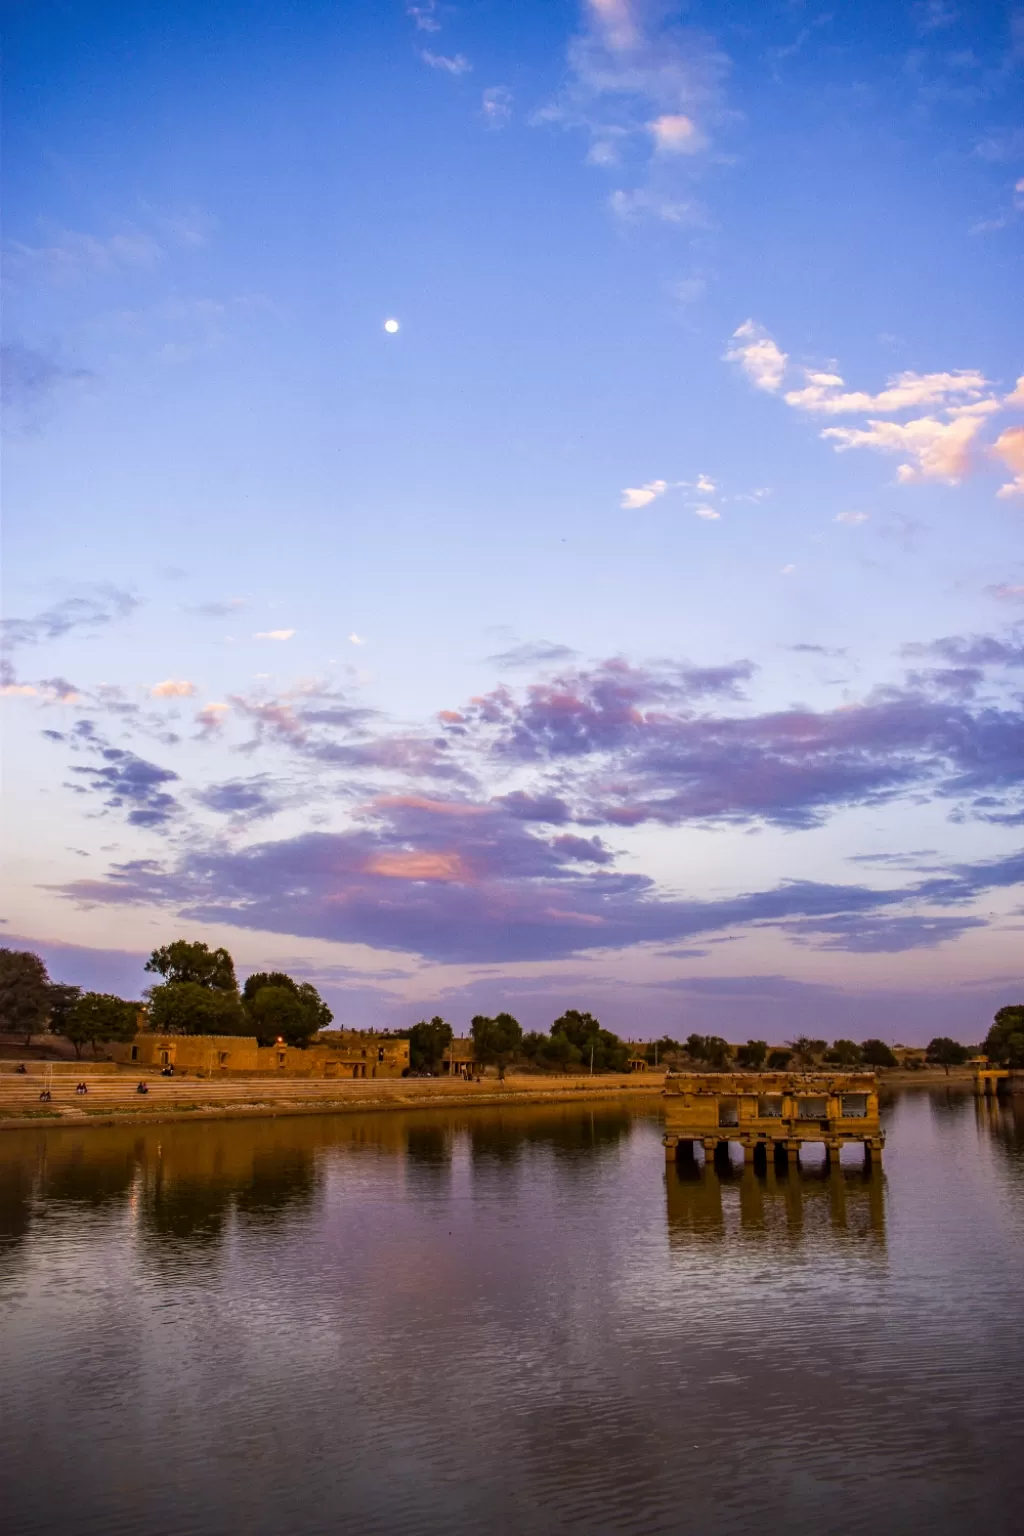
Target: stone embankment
(114, 1099)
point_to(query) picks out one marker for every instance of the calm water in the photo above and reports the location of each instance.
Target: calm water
(508, 1322)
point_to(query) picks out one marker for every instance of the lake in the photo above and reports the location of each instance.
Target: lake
(509, 1321)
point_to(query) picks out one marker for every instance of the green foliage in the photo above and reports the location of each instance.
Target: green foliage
(709, 1051)
(844, 1053)
(195, 964)
(779, 1060)
(1004, 1043)
(877, 1054)
(62, 999)
(99, 1016)
(24, 993)
(279, 1008)
(753, 1055)
(189, 1008)
(593, 1044)
(806, 1052)
(428, 1041)
(944, 1052)
(497, 1040)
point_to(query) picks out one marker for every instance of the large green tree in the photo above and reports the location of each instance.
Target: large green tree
(100, 1016)
(189, 1008)
(806, 1052)
(596, 1046)
(197, 964)
(428, 1041)
(279, 1008)
(709, 1050)
(753, 1055)
(24, 993)
(62, 999)
(1005, 1040)
(944, 1052)
(497, 1040)
(878, 1054)
(844, 1053)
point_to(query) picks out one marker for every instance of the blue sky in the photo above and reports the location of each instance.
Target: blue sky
(640, 626)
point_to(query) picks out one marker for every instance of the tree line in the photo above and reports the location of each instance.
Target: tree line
(576, 1042)
(198, 995)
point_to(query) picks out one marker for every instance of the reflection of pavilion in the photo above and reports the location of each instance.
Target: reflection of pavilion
(709, 1200)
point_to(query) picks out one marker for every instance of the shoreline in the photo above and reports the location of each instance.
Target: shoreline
(270, 1109)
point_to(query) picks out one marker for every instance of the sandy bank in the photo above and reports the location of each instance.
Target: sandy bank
(257, 1100)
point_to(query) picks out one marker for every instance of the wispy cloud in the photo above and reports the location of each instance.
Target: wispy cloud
(648, 94)
(274, 634)
(933, 449)
(71, 254)
(172, 688)
(92, 609)
(30, 379)
(938, 446)
(636, 496)
(424, 16)
(216, 609)
(852, 517)
(761, 359)
(452, 64)
(1009, 446)
(496, 105)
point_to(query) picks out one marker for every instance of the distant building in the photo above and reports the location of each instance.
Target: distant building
(460, 1060)
(343, 1053)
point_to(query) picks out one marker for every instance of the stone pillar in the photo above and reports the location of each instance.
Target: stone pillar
(793, 1153)
(749, 1151)
(710, 1148)
(671, 1144)
(873, 1151)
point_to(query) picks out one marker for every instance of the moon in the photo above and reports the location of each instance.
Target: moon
(391, 326)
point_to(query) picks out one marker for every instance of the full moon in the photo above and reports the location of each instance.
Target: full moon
(391, 326)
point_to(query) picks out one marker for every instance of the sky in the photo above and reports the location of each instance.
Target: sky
(639, 627)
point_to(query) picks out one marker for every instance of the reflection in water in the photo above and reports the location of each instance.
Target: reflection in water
(713, 1203)
(1002, 1118)
(517, 1320)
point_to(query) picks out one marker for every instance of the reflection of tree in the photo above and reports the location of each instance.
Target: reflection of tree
(1003, 1120)
(721, 1204)
(15, 1200)
(949, 1105)
(502, 1138)
(194, 1182)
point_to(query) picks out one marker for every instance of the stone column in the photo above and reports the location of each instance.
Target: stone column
(671, 1144)
(793, 1153)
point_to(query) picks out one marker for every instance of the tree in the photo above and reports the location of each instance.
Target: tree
(878, 1054)
(844, 1053)
(100, 1016)
(497, 1040)
(944, 1052)
(752, 1055)
(593, 1044)
(62, 999)
(24, 993)
(1005, 1040)
(779, 1060)
(806, 1052)
(428, 1041)
(196, 964)
(279, 1008)
(189, 1008)
(709, 1050)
